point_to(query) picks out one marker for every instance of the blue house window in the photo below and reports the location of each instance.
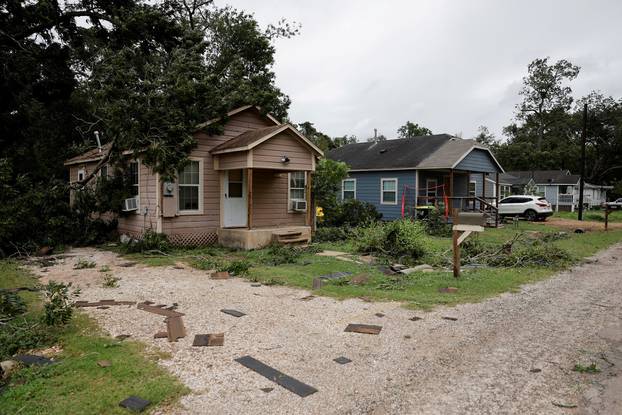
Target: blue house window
(348, 189)
(389, 191)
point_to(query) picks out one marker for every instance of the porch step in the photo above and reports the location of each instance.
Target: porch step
(289, 238)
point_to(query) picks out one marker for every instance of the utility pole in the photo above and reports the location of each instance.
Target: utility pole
(582, 180)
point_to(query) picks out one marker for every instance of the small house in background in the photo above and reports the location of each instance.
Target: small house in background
(245, 188)
(559, 187)
(404, 177)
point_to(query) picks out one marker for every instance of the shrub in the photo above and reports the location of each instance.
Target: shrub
(239, 267)
(333, 234)
(206, 264)
(150, 241)
(24, 334)
(58, 306)
(11, 305)
(435, 224)
(277, 254)
(351, 213)
(398, 239)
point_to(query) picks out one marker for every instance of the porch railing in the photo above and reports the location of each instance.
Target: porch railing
(565, 199)
(469, 203)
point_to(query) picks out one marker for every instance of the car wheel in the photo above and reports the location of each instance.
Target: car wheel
(531, 215)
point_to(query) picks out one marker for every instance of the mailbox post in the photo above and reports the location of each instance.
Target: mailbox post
(464, 224)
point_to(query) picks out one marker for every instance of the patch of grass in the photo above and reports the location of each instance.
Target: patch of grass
(84, 264)
(104, 268)
(596, 215)
(110, 282)
(76, 385)
(592, 368)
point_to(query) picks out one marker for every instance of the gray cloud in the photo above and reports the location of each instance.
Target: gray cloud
(448, 65)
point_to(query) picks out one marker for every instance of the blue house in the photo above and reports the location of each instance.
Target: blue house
(401, 177)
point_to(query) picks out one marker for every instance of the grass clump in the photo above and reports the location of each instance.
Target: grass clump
(110, 282)
(11, 305)
(592, 368)
(84, 264)
(277, 254)
(238, 267)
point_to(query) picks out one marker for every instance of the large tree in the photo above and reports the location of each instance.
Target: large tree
(138, 72)
(410, 130)
(545, 94)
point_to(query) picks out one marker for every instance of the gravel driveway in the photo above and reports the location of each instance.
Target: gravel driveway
(510, 354)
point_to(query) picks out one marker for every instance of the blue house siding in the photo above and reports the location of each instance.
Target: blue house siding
(368, 190)
(478, 160)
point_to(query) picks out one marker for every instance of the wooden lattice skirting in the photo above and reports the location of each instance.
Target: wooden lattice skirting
(193, 239)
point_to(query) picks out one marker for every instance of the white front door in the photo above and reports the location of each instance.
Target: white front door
(234, 194)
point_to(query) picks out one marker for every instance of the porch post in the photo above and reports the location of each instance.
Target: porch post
(249, 197)
(310, 207)
(497, 188)
(451, 189)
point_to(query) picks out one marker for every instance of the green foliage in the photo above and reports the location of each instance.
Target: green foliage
(84, 264)
(110, 282)
(592, 368)
(323, 141)
(333, 233)
(11, 305)
(237, 268)
(436, 225)
(403, 240)
(410, 130)
(327, 182)
(24, 334)
(206, 264)
(535, 254)
(277, 254)
(58, 306)
(150, 241)
(351, 213)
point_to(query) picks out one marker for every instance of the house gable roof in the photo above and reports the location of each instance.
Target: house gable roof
(92, 155)
(253, 138)
(440, 151)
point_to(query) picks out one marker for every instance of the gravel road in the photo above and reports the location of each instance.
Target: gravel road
(510, 354)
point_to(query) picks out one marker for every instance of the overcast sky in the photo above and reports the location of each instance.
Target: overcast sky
(448, 65)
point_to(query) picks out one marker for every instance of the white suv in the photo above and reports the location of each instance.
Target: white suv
(530, 207)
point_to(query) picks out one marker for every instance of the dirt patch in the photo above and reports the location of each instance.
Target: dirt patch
(482, 362)
(572, 224)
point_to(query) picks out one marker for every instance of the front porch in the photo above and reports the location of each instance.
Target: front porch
(448, 189)
(245, 238)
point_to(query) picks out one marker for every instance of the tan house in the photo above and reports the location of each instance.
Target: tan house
(245, 188)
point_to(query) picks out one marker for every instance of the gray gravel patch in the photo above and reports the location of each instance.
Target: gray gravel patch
(482, 363)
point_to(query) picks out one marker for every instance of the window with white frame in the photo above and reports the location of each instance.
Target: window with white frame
(505, 191)
(189, 187)
(388, 191)
(348, 189)
(81, 174)
(297, 183)
(472, 188)
(133, 177)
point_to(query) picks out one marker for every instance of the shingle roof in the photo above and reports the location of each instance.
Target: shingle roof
(422, 152)
(91, 155)
(247, 138)
(541, 177)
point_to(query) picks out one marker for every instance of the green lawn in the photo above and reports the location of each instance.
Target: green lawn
(419, 290)
(591, 215)
(76, 385)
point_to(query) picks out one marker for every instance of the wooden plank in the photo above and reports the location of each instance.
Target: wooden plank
(462, 237)
(363, 328)
(280, 378)
(456, 252)
(215, 339)
(175, 328)
(469, 228)
(220, 275)
(249, 189)
(160, 311)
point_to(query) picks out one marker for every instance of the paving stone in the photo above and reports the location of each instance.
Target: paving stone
(342, 360)
(289, 383)
(234, 313)
(134, 403)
